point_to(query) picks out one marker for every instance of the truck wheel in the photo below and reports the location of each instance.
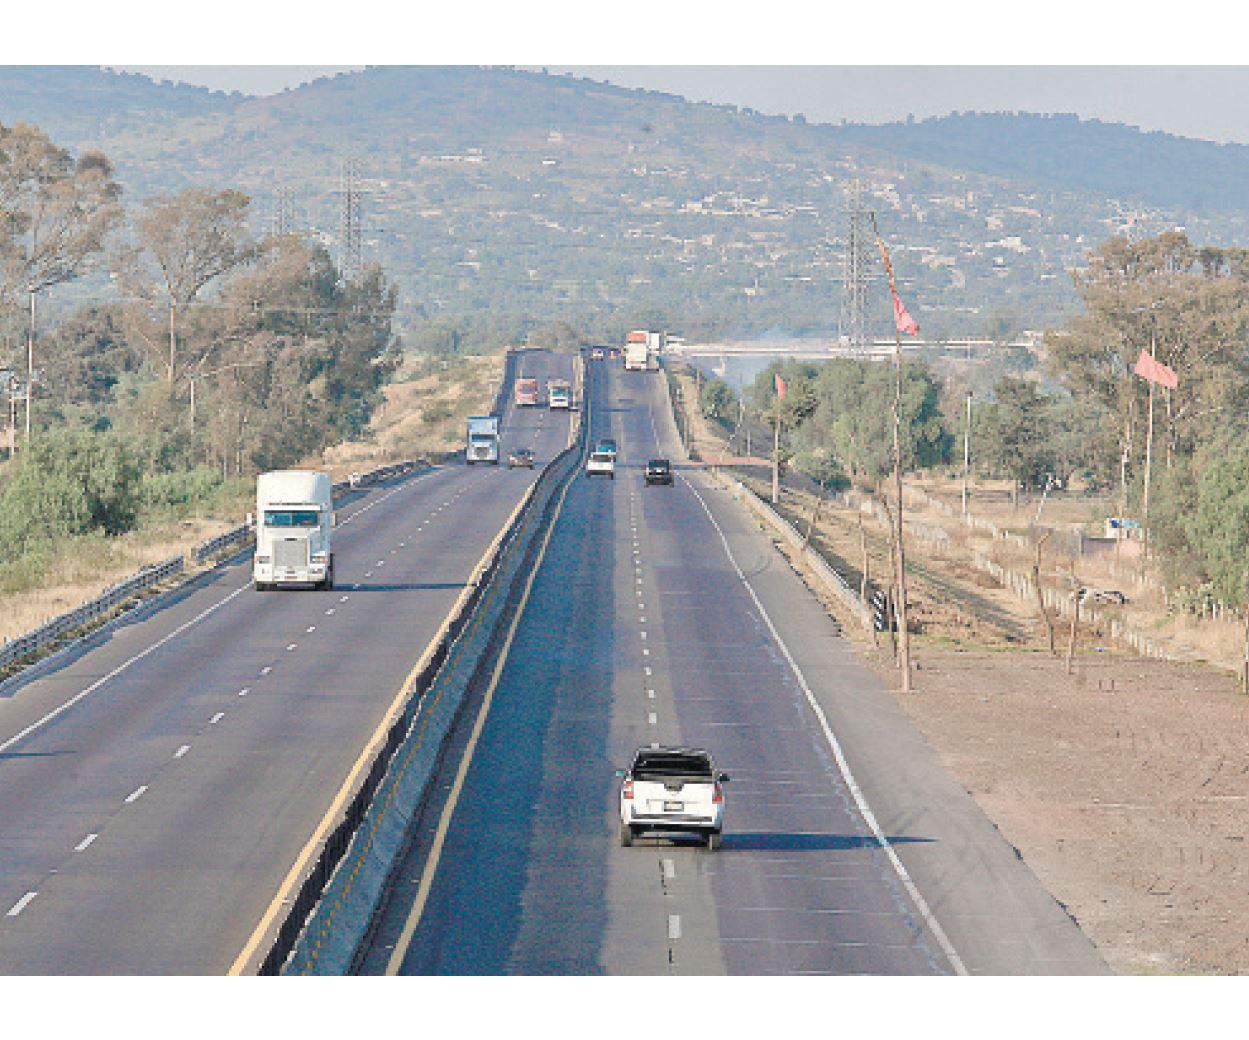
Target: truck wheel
(713, 840)
(261, 587)
(626, 835)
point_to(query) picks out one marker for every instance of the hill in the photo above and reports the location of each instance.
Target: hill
(1063, 151)
(500, 198)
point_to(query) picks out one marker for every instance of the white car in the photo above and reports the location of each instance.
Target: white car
(601, 463)
(672, 789)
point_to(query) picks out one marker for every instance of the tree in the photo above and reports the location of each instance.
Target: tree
(1016, 433)
(189, 239)
(55, 214)
(55, 211)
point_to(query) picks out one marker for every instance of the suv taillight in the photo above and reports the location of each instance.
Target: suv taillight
(626, 790)
(717, 794)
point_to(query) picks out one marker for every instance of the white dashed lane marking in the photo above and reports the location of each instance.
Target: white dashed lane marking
(21, 904)
(216, 718)
(245, 691)
(182, 751)
(291, 646)
(266, 669)
(136, 794)
(310, 629)
(82, 845)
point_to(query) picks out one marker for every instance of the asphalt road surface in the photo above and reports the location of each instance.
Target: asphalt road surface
(663, 614)
(156, 788)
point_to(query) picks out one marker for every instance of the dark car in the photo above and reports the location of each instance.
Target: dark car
(520, 457)
(659, 471)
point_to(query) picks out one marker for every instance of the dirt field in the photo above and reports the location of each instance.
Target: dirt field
(1125, 786)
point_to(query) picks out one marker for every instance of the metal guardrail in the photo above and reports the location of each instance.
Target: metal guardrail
(56, 630)
(25, 649)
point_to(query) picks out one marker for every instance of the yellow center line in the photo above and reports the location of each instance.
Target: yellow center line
(243, 963)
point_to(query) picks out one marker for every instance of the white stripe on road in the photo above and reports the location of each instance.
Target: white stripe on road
(136, 794)
(182, 751)
(674, 926)
(21, 904)
(865, 810)
(39, 724)
(245, 691)
(82, 845)
(216, 718)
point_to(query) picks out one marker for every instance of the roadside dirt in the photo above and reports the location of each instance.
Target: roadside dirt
(1123, 787)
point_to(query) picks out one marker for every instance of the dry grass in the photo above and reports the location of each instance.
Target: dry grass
(424, 412)
(83, 567)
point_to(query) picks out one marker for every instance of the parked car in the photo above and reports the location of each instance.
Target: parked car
(520, 457)
(659, 471)
(672, 789)
(596, 354)
(602, 464)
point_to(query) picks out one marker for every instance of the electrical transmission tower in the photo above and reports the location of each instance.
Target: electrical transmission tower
(284, 217)
(351, 261)
(855, 266)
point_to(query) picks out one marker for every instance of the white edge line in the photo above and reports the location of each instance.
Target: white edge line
(956, 962)
(55, 712)
(40, 723)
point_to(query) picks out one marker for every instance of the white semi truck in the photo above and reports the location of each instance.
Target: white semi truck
(483, 439)
(294, 521)
(642, 350)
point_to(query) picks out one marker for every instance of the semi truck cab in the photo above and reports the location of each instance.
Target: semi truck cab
(294, 525)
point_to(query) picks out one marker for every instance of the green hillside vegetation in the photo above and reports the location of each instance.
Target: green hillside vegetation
(499, 199)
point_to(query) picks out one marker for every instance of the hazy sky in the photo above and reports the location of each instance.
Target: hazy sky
(1211, 102)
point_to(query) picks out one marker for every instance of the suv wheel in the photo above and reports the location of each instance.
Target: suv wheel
(626, 835)
(713, 840)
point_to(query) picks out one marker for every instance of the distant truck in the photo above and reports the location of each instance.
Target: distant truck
(642, 350)
(483, 439)
(559, 393)
(294, 521)
(526, 393)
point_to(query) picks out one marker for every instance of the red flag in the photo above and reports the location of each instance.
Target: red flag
(901, 316)
(780, 387)
(1149, 367)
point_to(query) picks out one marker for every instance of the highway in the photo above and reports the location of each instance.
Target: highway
(159, 785)
(663, 614)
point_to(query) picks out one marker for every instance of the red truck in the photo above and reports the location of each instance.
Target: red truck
(526, 393)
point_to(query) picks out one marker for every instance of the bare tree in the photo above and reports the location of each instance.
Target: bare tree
(189, 239)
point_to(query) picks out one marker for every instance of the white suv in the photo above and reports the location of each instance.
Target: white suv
(601, 463)
(671, 789)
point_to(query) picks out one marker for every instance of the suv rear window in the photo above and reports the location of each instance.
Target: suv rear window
(668, 766)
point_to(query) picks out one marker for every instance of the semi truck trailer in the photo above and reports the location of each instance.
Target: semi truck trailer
(294, 522)
(483, 439)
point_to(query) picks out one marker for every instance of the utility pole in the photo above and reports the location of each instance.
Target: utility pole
(1149, 459)
(30, 360)
(776, 454)
(967, 438)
